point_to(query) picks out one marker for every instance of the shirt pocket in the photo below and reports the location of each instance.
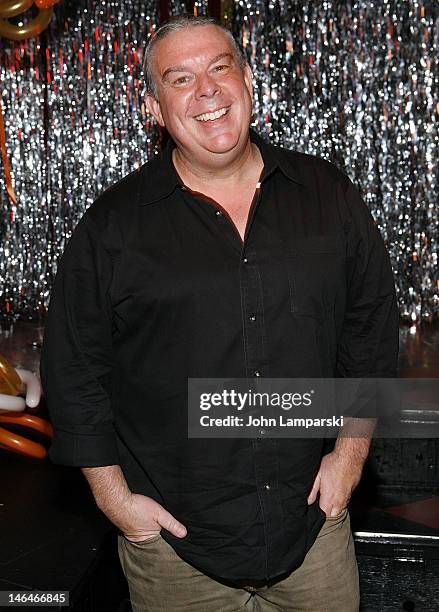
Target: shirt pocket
(315, 272)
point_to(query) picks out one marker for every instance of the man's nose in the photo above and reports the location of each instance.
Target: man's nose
(207, 86)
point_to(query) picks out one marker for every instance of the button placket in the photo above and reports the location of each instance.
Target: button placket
(253, 318)
(266, 471)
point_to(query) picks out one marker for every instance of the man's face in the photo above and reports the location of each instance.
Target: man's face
(196, 73)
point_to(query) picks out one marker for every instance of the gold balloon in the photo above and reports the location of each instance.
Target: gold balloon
(34, 27)
(10, 382)
(11, 8)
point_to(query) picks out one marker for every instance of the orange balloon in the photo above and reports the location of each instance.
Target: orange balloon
(45, 4)
(34, 27)
(23, 446)
(30, 421)
(19, 444)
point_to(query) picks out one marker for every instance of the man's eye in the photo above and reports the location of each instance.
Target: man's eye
(221, 67)
(181, 80)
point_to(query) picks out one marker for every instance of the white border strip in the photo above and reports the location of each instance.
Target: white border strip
(402, 536)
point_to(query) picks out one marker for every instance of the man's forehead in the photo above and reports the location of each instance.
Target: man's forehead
(185, 47)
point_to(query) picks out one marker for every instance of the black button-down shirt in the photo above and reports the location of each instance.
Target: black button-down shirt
(155, 286)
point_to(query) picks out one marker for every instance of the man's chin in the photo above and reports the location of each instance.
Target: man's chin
(220, 143)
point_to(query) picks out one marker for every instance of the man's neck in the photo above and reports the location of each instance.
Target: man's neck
(228, 177)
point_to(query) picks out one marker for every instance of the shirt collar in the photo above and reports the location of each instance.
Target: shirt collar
(159, 178)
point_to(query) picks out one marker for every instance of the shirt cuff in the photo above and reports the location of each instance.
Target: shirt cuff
(84, 449)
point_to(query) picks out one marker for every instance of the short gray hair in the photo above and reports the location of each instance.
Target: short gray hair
(175, 24)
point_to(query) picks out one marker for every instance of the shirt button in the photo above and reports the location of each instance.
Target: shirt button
(218, 213)
(267, 486)
(252, 318)
(262, 432)
(245, 260)
(257, 374)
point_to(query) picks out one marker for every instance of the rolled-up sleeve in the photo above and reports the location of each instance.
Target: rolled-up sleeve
(77, 361)
(368, 344)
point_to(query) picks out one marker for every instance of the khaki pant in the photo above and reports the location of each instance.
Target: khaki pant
(327, 581)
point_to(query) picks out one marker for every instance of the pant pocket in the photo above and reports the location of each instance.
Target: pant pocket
(143, 543)
(338, 516)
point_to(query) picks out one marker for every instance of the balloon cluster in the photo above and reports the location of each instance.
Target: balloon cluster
(15, 382)
(33, 27)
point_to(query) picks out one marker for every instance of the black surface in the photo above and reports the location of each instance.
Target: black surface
(53, 537)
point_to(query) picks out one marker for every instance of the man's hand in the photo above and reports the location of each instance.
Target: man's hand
(337, 478)
(340, 471)
(142, 517)
(138, 517)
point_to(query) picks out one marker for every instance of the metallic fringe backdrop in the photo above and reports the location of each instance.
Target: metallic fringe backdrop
(354, 82)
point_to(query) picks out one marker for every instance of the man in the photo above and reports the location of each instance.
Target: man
(223, 257)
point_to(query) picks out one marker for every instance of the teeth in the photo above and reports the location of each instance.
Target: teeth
(212, 116)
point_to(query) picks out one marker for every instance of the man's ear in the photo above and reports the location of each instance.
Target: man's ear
(248, 79)
(153, 107)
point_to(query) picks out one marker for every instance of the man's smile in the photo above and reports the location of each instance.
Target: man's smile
(213, 115)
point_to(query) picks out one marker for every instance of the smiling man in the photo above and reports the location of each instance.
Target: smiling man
(224, 257)
(201, 90)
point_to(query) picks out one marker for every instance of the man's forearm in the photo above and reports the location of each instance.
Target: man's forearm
(354, 439)
(109, 488)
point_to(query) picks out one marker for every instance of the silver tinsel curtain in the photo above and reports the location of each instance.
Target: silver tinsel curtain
(355, 82)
